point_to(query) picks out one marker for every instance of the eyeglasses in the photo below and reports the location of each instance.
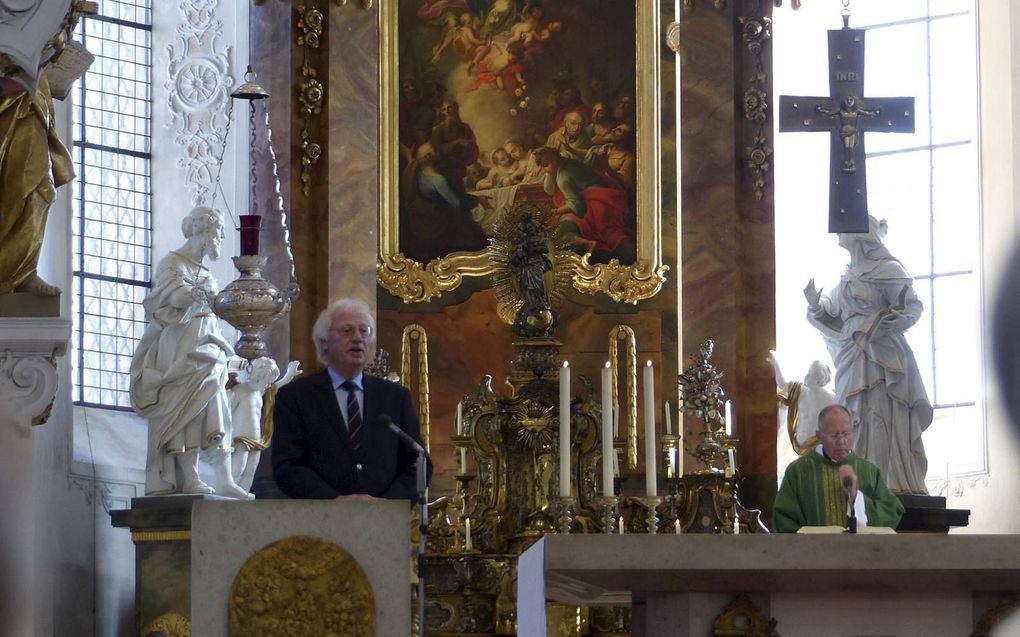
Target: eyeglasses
(348, 331)
(843, 435)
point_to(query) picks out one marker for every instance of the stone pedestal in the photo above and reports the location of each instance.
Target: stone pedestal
(28, 382)
(161, 531)
(189, 550)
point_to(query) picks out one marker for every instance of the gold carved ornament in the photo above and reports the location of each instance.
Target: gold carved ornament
(415, 282)
(741, 618)
(791, 402)
(168, 625)
(310, 91)
(506, 237)
(301, 586)
(617, 334)
(417, 332)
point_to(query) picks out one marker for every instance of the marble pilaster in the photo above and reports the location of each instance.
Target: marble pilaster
(28, 383)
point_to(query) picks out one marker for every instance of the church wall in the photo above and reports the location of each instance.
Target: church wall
(727, 233)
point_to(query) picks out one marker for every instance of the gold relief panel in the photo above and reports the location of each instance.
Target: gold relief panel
(482, 111)
(300, 586)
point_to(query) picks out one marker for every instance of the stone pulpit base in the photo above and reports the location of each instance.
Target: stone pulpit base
(812, 585)
(213, 566)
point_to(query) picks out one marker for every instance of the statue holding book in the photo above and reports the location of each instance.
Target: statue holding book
(863, 321)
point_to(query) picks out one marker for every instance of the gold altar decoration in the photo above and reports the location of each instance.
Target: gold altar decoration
(168, 625)
(506, 242)
(415, 282)
(513, 497)
(301, 586)
(617, 334)
(741, 618)
(310, 93)
(417, 332)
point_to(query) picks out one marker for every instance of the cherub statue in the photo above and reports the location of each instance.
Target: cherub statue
(803, 401)
(251, 408)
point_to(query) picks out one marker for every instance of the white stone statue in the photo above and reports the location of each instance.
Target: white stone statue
(863, 321)
(804, 401)
(252, 413)
(179, 370)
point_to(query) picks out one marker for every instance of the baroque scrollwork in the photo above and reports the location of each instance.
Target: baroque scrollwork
(198, 86)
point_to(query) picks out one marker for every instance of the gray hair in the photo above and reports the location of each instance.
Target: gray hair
(828, 409)
(320, 331)
(200, 220)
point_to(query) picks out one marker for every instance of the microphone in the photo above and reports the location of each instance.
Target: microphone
(848, 486)
(385, 421)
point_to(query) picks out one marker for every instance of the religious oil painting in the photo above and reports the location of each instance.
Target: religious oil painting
(490, 103)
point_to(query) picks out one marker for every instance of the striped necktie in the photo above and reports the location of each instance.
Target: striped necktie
(353, 415)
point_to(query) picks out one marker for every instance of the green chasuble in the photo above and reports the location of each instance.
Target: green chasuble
(812, 494)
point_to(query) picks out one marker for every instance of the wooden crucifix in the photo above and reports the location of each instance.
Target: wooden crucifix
(846, 116)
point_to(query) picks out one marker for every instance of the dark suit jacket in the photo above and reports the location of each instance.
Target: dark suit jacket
(312, 454)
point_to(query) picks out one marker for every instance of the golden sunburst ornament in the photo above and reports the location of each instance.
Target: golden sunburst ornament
(533, 266)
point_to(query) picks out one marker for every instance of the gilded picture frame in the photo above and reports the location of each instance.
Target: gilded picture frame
(631, 278)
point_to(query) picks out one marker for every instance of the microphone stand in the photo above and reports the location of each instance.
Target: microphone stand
(852, 514)
(423, 525)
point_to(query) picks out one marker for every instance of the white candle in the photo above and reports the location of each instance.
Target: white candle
(608, 457)
(668, 419)
(616, 419)
(463, 460)
(460, 418)
(565, 430)
(619, 524)
(467, 534)
(736, 523)
(651, 487)
(676, 526)
(729, 418)
(731, 463)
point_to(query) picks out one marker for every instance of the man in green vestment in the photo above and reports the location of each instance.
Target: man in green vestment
(813, 493)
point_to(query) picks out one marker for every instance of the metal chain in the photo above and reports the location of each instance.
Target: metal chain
(217, 187)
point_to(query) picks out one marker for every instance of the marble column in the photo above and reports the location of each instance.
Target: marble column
(28, 382)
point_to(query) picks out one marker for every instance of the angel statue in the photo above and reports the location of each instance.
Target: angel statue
(803, 401)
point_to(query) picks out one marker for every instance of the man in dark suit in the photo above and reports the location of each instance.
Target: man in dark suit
(331, 438)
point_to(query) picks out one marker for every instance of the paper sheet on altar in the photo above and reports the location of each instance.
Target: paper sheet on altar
(862, 530)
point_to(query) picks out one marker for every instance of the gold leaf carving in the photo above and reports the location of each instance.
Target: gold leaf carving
(626, 283)
(170, 624)
(302, 586)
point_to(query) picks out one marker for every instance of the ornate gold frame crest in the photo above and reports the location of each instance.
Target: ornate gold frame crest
(415, 282)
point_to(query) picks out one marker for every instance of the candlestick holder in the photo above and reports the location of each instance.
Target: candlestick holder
(652, 514)
(607, 513)
(565, 517)
(710, 449)
(668, 443)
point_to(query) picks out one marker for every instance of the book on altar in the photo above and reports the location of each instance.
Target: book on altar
(861, 530)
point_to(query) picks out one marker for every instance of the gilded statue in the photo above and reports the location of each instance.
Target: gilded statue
(33, 164)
